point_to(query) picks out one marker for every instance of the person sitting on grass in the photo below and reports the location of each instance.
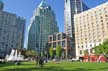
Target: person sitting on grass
(17, 62)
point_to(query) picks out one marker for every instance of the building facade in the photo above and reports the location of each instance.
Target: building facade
(72, 7)
(42, 24)
(61, 39)
(20, 30)
(9, 31)
(91, 28)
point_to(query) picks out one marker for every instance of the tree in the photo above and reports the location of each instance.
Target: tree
(102, 49)
(58, 51)
(105, 47)
(97, 50)
(30, 53)
(85, 52)
(51, 52)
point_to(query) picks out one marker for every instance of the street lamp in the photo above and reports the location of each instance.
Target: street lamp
(46, 54)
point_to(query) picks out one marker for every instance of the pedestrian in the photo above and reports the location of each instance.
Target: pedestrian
(37, 61)
(41, 61)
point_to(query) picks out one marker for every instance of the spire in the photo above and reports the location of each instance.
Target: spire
(43, 3)
(1, 5)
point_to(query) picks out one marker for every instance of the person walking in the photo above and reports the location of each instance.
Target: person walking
(41, 61)
(37, 61)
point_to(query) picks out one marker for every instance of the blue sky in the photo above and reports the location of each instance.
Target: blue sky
(25, 8)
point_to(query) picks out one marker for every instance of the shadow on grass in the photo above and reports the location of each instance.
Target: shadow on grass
(13, 64)
(6, 64)
(40, 69)
(103, 69)
(52, 69)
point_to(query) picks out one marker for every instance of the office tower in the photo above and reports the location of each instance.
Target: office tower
(72, 7)
(42, 24)
(20, 30)
(9, 31)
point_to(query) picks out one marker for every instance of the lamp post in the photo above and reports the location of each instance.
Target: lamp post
(46, 54)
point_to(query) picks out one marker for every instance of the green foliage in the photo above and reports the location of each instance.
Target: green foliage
(102, 49)
(30, 53)
(51, 52)
(50, 66)
(58, 51)
(97, 50)
(85, 52)
(105, 42)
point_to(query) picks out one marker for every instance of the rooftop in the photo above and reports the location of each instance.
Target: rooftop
(43, 3)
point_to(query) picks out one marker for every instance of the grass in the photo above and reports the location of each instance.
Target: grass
(63, 66)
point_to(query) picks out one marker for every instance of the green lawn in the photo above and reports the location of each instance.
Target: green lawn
(63, 66)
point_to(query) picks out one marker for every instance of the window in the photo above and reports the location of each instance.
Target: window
(85, 38)
(82, 46)
(59, 36)
(68, 43)
(63, 36)
(86, 46)
(90, 45)
(54, 44)
(102, 24)
(101, 17)
(78, 46)
(50, 39)
(50, 45)
(54, 37)
(101, 20)
(80, 52)
(99, 40)
(59, 43)
(94, 41)
(63, 43)
(102, 27)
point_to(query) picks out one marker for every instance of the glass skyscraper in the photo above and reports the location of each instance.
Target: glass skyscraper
(72, 7)
(42, 24)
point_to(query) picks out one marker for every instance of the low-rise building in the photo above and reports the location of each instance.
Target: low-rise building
(61, 39)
